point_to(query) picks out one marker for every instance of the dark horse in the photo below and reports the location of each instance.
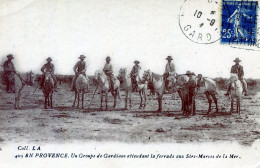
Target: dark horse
(47, 89)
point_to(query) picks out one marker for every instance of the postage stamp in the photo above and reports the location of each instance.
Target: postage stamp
(239, 22)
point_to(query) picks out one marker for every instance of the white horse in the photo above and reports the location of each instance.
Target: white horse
(236, 92)
(158, 84)
(204, 85)
(82, 86)
(104, 86)
(128, 87)
(20, 80)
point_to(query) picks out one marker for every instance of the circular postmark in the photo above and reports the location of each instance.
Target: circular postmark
(200, 21)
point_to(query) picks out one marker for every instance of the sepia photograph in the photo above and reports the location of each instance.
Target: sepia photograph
(129, 83)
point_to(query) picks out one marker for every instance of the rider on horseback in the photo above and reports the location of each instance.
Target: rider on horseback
(108, 70)
(48, 67)
(238, 69)
(170, 68)
(135, 75)
(79, 68)
(9, 72)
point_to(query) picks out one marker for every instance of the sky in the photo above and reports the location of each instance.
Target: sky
(146, 30)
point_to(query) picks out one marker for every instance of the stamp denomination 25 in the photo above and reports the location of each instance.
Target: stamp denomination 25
(200, 21)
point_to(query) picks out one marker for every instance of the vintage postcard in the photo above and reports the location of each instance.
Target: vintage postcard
(129, 83)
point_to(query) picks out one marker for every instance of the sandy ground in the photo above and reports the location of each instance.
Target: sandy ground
(65, 124)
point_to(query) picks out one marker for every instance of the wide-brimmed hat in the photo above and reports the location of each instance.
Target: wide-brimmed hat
(108, 58)
(137, 62)
(188, 73)
(169, 58)
(82, 56)
(237, 60)
(49, 59)
(10, 56)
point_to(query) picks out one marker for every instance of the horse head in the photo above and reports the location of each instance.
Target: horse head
(99, 76)
(147, 76)
(122, 74)
(234, 81)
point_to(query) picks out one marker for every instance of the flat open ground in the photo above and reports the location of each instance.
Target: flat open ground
(65, 124)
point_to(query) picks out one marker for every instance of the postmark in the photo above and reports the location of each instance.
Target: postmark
(239, 23)
(200, 21)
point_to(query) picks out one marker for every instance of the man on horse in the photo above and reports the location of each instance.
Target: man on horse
(190, 88)
(135, 75)
(49, 67)
(238, 69)
(79, 68)
(108, 70)
(9, 72)
(170, 68)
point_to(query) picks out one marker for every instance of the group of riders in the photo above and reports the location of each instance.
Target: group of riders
(81, 67)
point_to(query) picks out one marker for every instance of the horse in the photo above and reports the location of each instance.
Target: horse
(47, 89)
(128, 86)
(235, 92)
(177, 82)
(104, 86)
(82, 86)
(20, 81)
(204, 85)
(158, 83)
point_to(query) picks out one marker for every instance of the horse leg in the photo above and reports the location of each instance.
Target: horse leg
(193, 105)
(141, 99)
(209, 101)
(118, 93)
(232, 103)
(78, 99)
(101, 99)
(82, 100)
(144, 95)
(46, 99)
(130, 98)
(159, 102)
(106, 93)
(126, 95)
(215, 100)
(115, 95)
(182, 103)
(239, 105)
(75, 99)
(51, 100)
